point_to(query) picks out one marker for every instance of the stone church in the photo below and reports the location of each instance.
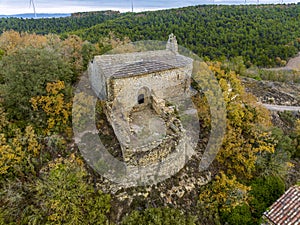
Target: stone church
(138, 89)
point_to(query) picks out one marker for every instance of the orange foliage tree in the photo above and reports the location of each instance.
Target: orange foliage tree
(12, 40)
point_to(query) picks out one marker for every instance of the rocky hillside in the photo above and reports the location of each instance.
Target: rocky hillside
(270, 92)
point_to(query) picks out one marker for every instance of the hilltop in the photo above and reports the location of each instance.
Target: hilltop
(38, 15)
(59, 25)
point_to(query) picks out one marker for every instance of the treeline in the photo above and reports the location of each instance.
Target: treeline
(57, 25)
(265, 35)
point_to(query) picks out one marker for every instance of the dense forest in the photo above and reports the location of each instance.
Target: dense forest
(45, 180)
(259, 34)
(263, 35)
(57, 25)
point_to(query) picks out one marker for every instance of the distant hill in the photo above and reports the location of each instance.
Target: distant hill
(264, 35)
(55, 23)
(38, 15)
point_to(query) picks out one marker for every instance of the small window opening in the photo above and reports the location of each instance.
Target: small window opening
(141, 99)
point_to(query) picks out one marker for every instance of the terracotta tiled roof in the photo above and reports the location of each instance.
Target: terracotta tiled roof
(286, 210)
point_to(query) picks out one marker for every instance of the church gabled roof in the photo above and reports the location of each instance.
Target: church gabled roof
(142, 67)
(138, 63)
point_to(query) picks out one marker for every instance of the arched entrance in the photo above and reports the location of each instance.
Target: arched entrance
(141, 99)
(143, 96)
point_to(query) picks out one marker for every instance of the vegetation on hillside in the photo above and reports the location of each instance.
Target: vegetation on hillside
(43, 178)
(56, 25)
(252, 162)
(264, 35)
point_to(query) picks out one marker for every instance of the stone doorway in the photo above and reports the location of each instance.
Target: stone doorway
(141, 99)
(143, 96)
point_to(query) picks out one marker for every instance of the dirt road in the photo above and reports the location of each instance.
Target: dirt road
(282, 107)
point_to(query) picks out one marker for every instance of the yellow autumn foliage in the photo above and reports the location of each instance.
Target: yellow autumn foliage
(225, 193)
(247, 125)
(297, 128)
(53, 104)
(17, 150)
(11, 40)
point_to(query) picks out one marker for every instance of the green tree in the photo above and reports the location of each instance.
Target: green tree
(19, 150)
(296, 139)
(276, 163)
(26, 73)
(158, 216)
(88, 51)
(240, 215)
(2, 52)
(63, 196)
(265, 191)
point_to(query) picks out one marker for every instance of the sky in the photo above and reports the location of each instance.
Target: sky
(10, 7)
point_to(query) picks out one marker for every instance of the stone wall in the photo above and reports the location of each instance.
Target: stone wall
(97, 80)
(151, 152)
(176, 157)
(159, 149)
(164, 85)
(159, 153)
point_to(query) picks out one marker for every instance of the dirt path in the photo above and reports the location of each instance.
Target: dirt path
(282, 107)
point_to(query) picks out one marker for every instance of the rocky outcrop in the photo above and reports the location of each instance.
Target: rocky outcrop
(276, 93)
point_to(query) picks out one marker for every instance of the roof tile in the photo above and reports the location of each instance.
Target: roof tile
(286, 210)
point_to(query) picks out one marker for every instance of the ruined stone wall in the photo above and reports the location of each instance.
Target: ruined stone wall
(141, 158)
(164, 85)
(178, 153)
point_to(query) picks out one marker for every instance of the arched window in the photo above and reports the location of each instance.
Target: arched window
(141, 99)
